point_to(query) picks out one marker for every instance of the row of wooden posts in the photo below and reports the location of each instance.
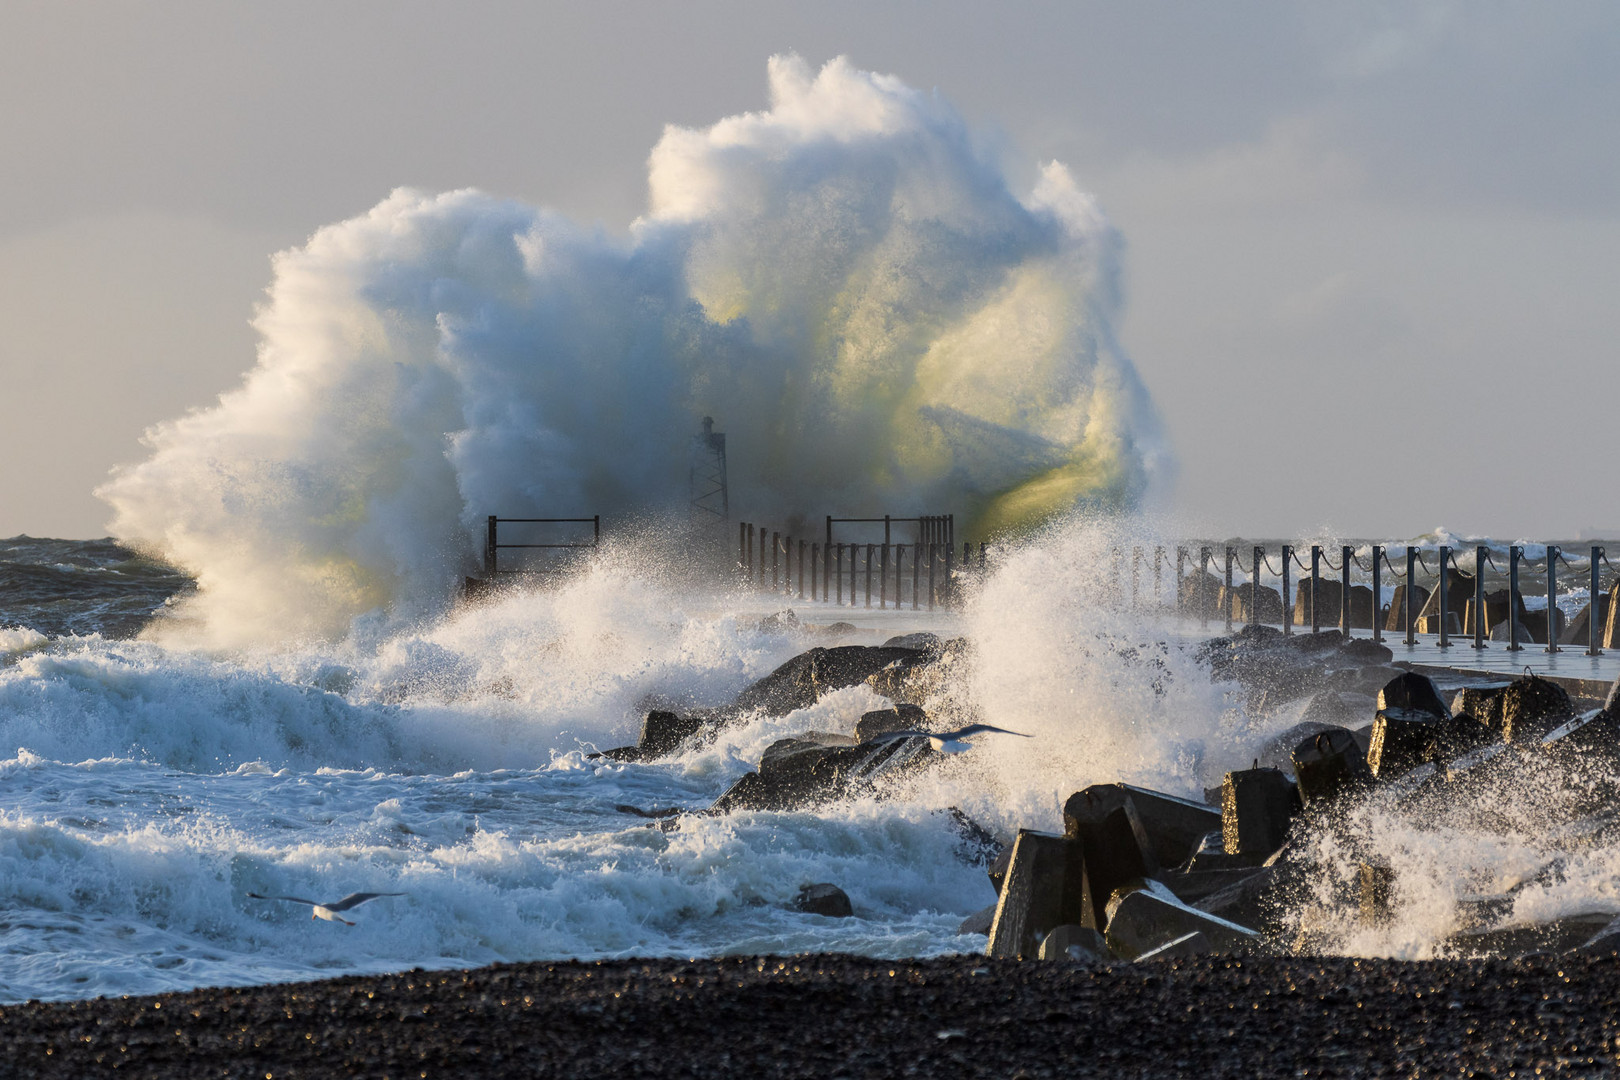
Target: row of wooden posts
(819, 571)
(1413, 609)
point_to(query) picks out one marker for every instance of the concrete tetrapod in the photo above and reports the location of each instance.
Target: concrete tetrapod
(1145, 915)
(1257, 806)
(1044, 889)
(1117, 850)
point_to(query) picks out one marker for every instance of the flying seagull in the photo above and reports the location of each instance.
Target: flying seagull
(947, 742)
(329, 912)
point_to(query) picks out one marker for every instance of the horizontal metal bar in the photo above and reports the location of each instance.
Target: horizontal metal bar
(503, 547)
(550, 521)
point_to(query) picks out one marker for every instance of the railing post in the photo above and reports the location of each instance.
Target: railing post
(1158, 576)
(742, 545)
(776, 548)
(1445, 623)
(1181, 568)
(1552, 598)
(1137, 558)
(801, 571)
(1230, 556)
(1593, 623)
(916, 559)
(763, 540)
(1515, 553)
(815, 557)
(1288, 609)
(933, 557)
(1203, 586)
(826, 571)
(1411, 588)
(596, 530)
(489, 547)
(1345, 555)
(883, 569)
(1378, 594)
(869, 553)
(1316, 588)
(839, 576)
(1254, 588)
(948, 585)
(1481, 553)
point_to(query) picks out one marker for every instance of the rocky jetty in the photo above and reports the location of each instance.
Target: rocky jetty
(1143, 875)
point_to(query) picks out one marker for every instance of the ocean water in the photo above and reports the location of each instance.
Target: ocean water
(148, 783)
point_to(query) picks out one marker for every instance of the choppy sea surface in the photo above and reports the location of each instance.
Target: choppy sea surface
(149, 782)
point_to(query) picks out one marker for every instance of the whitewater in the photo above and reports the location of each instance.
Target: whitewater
(267, 684)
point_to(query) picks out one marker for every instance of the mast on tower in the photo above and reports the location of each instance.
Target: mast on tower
(709, 502)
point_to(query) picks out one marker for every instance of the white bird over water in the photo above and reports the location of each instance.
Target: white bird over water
(948, 742)
(329, 911)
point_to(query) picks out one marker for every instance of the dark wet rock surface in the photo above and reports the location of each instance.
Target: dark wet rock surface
(842, 1016)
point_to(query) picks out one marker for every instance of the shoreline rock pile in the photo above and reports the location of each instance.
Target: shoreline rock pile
(1140, 874)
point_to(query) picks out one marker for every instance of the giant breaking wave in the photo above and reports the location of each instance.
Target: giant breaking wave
(846, 281)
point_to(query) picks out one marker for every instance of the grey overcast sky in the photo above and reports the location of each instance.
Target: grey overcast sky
(1373, 249)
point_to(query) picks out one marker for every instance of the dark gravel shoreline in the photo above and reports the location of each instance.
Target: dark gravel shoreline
(847, 1016)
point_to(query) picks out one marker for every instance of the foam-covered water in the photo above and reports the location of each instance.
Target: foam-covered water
(151, 785)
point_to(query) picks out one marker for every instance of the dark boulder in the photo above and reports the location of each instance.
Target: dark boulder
(803, 679)
(882, 721)
(979, 922)
(1072, 941)
(824, 899)
(662, 732)
(923, 673)
(922, 641)
(799, 772)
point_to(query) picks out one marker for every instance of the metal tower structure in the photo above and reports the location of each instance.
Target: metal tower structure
(710, 504)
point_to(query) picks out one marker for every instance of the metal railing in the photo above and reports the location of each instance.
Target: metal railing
(924, 573)
(1412, 609)
(493, 547)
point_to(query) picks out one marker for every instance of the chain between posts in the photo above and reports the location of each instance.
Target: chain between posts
(1391, 565)
(1301, 563)
(1363, 567)
(1267, 560)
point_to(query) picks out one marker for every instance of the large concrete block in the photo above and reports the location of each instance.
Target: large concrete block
(1045, 888)
(1532, 707)
(1257, 807)
(1396, 622)
(1328, 766)
(1117, 848)
(1484, 703)
(1260, 900)
(1173, 825)
(1146, 915)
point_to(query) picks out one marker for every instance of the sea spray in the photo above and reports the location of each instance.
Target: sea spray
(845, 281)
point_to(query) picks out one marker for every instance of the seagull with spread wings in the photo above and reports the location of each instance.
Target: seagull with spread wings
(329, 911)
